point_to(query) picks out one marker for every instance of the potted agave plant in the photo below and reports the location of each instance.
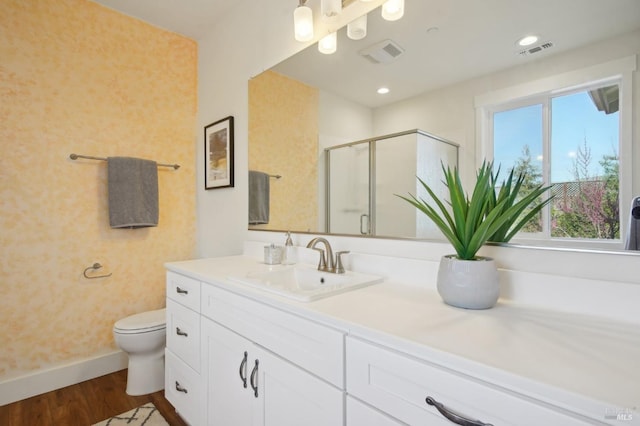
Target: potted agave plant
(495, 212)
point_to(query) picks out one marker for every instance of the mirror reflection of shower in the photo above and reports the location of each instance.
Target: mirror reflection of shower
(363, 177)
(348, 189)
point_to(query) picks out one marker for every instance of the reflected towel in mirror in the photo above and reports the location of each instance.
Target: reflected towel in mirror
(258, 197)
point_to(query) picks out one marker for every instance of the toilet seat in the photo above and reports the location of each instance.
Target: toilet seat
(144, 322)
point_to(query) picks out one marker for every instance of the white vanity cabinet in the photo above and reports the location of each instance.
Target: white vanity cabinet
(359, 359)
(399, 385)
(268, 367)
(183, 384)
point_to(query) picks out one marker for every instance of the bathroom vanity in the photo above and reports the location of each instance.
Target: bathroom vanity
(386, 354)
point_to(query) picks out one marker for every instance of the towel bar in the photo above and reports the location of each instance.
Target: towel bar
(89, 157)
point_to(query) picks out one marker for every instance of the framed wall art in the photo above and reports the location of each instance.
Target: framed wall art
(218, 154)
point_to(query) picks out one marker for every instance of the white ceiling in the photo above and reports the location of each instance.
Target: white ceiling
(473, 37)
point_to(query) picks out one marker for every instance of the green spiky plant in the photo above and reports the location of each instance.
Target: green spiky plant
(489, 215)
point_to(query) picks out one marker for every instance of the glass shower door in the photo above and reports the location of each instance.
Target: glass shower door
(348, 207)
(364, 178)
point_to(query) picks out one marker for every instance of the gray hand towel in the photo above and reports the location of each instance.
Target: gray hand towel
(133, 192)
(258, 198)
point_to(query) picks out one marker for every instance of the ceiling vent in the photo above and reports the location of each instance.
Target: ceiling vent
(382, 53)
(535, 49)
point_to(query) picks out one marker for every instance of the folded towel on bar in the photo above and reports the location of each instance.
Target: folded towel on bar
(133, 192)
(258, 198)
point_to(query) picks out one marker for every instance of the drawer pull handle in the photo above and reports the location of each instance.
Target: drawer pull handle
(181, 291)
(243, 368)
(454, 417)
(181, 333)
(180, 388)
(254, 379)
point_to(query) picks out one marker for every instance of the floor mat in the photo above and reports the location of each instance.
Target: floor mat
(145, 415)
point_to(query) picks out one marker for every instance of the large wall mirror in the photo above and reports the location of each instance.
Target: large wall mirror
(451, 67)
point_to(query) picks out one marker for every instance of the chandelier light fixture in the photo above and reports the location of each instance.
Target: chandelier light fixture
(392, 10)
(303, 22)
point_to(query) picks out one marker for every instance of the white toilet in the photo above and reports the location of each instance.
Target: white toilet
(143, 336)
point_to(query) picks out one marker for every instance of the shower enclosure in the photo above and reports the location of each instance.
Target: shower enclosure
(363, 177)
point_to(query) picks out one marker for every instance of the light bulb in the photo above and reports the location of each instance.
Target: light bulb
(357, 29)
(328, 44)
(303, 23)
(392, 10)
(528, 40)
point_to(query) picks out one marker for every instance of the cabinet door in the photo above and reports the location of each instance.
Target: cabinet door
(289, 396)
(360, 414)
(226, 367)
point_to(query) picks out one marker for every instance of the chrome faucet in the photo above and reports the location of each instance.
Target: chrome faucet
(326, 262)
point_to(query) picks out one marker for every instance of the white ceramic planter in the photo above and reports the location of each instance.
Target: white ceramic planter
(469, 284)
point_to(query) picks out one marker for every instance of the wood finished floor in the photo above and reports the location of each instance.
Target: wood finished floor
(84, 404)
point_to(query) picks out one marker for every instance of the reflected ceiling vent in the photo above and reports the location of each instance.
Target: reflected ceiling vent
(383, 52)
(535, 49)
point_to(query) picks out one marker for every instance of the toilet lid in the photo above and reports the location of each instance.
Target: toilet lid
(142, 323)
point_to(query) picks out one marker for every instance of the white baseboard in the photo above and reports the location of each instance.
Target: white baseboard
(42, 381)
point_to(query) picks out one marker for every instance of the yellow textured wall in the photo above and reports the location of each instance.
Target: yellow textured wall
(76, 77)
(283, 135)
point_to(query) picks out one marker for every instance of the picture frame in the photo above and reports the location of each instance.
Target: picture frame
(218, 154)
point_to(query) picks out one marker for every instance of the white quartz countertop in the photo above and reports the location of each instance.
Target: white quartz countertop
(586, 364)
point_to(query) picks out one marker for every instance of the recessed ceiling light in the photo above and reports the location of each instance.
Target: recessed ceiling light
(527, 40)
(383, 90)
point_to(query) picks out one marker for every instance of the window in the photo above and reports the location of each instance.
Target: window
(569, 141)
(573, 132)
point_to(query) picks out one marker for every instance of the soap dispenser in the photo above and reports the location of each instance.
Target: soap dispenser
(289, 255)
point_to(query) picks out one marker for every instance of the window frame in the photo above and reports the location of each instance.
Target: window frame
(618, 72)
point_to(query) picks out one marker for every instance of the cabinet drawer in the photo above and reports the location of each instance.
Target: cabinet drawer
(312, 346)
(184, 389)
(184, 290)
(399, 385)
(183, 333)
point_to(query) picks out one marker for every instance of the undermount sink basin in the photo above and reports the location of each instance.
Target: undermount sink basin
(304, 282)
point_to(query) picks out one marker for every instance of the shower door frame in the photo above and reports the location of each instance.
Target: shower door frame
(371, 231)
